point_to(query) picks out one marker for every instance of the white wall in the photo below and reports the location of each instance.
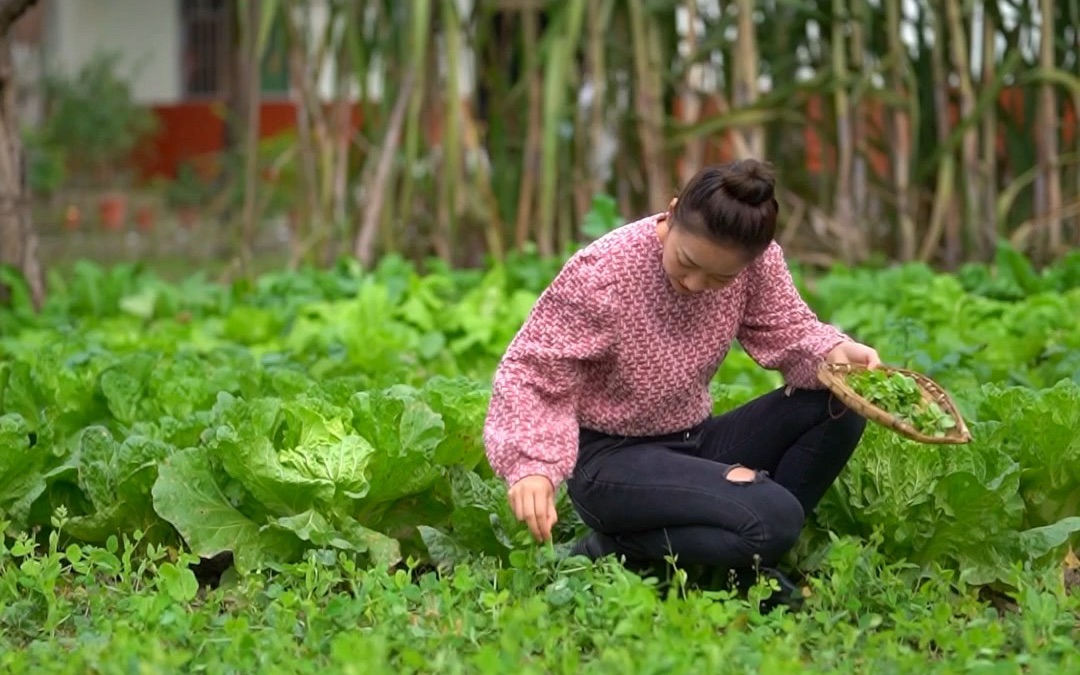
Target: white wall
(145, 33)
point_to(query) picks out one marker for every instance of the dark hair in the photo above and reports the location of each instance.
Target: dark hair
(731, 204)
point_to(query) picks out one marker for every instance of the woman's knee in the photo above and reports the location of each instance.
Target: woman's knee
(779, 522)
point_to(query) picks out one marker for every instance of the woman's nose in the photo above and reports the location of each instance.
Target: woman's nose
(694, 283)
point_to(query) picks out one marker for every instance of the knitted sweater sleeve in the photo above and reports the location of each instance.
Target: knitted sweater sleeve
(778, 330)
(532, 425)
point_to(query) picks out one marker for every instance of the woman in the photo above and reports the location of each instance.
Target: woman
(605, 387)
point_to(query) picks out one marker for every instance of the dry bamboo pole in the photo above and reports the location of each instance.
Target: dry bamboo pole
(372, 211)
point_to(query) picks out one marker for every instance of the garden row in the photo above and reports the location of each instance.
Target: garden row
(342, 411)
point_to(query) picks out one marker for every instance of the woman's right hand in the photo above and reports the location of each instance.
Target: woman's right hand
(532, 500)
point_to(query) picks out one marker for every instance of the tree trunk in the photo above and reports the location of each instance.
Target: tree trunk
(18, 242)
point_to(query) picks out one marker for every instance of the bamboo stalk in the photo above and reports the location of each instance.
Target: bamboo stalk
(531, 159)
(250, 78)
(1048, 183)
(969, 152)
(452, 163)
(308, 201)
(649, 104)
(1074, 13)
(417, 56)
(988, 212)
(745, 90)
(323, 139)
(364, 244)
(488, 203)
(944, 208)
(342, 125)
(943, 204)
(589, 123)
(860, 147)
(691, 88)
(842, 203)
(899, 145)
(1006, 201)
(556, 74)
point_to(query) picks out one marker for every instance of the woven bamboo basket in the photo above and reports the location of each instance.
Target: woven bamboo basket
(835, 377)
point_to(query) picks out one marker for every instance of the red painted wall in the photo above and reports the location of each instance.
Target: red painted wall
(195, 132)
(820, 156)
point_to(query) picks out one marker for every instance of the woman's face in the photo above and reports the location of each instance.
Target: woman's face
(694, 263)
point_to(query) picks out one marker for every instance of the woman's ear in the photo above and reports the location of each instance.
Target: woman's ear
(672, 203)
(663, 226)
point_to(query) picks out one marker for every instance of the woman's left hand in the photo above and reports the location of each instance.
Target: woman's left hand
(854, 352)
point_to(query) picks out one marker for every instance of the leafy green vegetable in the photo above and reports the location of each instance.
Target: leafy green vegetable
(900, 395)
(189, 495)
(340, 412)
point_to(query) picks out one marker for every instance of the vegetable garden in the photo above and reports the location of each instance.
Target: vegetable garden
(288, 475)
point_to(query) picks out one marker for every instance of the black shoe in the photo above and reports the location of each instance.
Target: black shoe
(593, 546)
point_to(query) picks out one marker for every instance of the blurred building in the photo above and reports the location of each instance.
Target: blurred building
(180, 57)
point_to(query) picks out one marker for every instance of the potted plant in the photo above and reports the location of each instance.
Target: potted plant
(92, 116)
(186, 194)
(45, 171)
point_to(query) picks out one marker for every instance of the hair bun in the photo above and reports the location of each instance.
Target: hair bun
(750, 182)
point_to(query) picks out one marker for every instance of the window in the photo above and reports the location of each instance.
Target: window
(275, 60)
(210, 43)
(206, 43)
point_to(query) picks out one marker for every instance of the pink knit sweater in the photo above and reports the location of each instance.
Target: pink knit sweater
(611, 346)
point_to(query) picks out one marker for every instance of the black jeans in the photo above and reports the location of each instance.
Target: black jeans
(671, 495)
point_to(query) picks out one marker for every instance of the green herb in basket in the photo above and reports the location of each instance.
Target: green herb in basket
(899, 394)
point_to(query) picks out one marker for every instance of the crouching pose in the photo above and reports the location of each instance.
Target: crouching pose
(606, 388)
